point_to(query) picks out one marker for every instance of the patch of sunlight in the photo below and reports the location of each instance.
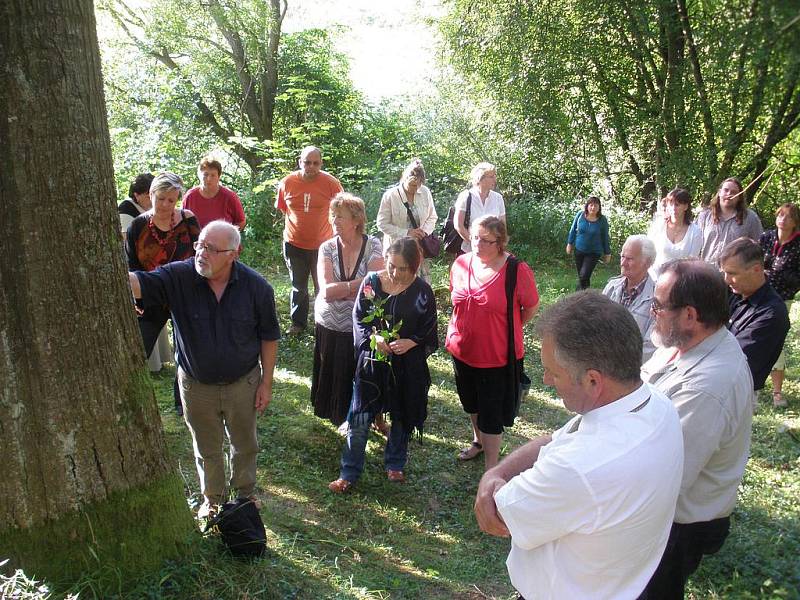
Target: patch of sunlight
(287, 376)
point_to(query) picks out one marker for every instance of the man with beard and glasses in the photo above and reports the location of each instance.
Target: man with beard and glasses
(700, 367)
(226, 332)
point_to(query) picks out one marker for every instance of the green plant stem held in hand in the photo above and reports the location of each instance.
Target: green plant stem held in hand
(381, 332)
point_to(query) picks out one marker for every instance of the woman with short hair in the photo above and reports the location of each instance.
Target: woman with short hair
(479, 200)
(478, 335)
(137, 202)
(342, 263)
(392, 373)
(162, 235)
(407, 209)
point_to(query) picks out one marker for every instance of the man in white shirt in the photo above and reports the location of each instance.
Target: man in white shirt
(701, 368)
(589, 507)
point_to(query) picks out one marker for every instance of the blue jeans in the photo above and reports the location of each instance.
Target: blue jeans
(353, 453)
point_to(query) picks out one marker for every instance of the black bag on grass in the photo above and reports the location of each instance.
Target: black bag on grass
(240, 525)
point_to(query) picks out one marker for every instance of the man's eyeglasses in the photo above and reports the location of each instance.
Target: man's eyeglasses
(198, 246)
(658, 308)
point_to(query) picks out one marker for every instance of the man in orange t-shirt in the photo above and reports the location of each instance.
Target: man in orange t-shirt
(304, 197)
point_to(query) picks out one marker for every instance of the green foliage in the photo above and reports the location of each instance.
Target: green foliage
(653, 93)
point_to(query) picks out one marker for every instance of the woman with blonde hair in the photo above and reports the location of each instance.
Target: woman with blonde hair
(407, 209)
(342, 263)
(479, 200)
(487, 361)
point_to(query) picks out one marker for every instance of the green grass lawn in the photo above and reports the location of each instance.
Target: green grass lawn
(419, 539)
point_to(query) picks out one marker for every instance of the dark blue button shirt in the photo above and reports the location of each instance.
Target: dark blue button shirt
(217, 342)
(760, 324)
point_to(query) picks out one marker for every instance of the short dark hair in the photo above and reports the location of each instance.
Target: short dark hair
(408, 248)
(589, 331)
(700, 285)
(140, 185)
(209, 162)
(746, 250)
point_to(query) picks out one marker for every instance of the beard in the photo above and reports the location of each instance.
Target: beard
(674, 337)
(204, 270)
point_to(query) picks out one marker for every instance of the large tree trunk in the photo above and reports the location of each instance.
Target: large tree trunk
(85, 473)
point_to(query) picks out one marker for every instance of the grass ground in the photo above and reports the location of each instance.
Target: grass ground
(419, 539)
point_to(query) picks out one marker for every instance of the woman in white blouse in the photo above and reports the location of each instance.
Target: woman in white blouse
(675, 234)
(482, 199)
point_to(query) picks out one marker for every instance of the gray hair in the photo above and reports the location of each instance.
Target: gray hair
(165, 182)
(234, 237)
(589, 331)
(479, 170)
(646, 246)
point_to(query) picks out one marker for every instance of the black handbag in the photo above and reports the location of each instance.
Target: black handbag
(450, 237)
(431, 244)
(240, 525)
(517, 379)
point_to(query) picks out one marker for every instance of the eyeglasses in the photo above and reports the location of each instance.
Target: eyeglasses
(198, 246)
(658, 308)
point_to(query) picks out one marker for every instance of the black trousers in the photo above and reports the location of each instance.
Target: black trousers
(585, 264)
(301, 263)
(687, 544)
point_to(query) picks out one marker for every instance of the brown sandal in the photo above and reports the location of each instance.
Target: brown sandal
(474, 450)
(340, 486)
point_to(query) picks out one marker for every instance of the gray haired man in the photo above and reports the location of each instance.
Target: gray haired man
(634, 287)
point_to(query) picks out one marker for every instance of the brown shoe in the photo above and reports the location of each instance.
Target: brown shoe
(778, 401)
(395, 476)
(340, 486)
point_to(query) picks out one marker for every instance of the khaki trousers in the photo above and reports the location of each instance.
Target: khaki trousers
(211, 411)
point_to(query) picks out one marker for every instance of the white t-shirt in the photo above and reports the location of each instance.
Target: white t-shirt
(690, 245)
(591, 517)
(493, 205)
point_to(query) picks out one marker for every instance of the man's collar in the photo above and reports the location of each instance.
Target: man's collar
(685, 361)
(621, 405)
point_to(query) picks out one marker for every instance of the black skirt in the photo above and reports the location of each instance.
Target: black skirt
(332, 378)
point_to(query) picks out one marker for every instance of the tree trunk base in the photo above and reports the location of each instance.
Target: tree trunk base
(114, 541)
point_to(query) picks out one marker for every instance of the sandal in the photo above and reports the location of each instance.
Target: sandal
(778, 401)
(340, 486)
(471, 452)
(395, 476)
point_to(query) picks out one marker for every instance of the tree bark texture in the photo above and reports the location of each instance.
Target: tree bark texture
(78, 418)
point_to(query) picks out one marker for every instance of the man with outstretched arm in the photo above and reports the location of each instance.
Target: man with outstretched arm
(589, 507)
(226, 329)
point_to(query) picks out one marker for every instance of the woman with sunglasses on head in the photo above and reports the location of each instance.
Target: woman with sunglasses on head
(391, 371)
(162, 235)
(487, 374)
(726, 219)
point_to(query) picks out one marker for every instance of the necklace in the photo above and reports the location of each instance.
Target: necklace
(157, 233)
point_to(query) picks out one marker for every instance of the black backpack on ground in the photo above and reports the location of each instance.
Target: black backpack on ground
(240, 525)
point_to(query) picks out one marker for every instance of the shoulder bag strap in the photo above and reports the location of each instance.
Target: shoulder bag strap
(511, 285)
(468, 210)
(408, 210)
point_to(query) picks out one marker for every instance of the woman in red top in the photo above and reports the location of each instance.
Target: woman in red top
(477, 336)
(161, 235)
